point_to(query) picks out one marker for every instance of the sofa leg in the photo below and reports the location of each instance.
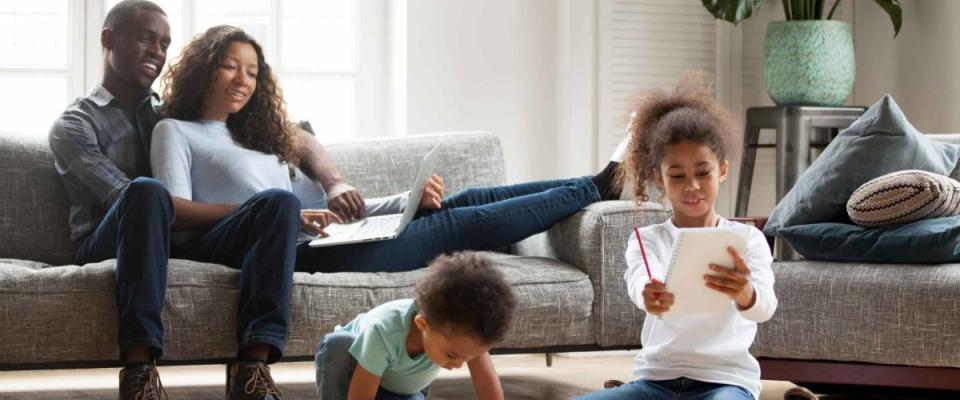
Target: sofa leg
(549, 359)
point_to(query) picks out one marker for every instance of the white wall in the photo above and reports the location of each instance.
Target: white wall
(919, 68)
(487, 65)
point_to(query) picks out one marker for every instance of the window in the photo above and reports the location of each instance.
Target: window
(39, 70)
(329, 56)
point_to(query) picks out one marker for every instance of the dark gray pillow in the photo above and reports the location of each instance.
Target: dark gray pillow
(880, 142)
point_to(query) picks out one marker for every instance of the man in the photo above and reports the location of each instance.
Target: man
(101, 148)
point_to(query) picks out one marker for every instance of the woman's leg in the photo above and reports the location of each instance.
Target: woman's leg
(259, 239)
(636, 390)
(335, 365)
(488, 226)
(486, 195)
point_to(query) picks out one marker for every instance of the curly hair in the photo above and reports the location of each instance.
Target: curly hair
(465, 293)
(261, 124)
(660, 119)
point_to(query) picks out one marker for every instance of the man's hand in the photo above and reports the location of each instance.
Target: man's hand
(433, 193)
(313, 221)
(733, 282)
(346, 201)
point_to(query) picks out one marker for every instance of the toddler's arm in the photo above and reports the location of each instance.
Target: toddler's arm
(486, 383)
(363, 385)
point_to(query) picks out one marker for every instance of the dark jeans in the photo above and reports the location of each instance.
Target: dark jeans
(473, 219)
(258, 238)
(136, 231)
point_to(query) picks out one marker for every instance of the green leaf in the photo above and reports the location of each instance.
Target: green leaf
(732, 11)
(832, 9)
(892, 7)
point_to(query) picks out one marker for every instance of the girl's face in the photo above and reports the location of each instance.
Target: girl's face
(234, 82)
(690, 175)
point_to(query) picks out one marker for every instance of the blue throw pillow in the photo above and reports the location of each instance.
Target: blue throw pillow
(880, 142)
(926, 241)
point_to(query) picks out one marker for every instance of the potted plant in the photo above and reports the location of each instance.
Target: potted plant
(807, 59)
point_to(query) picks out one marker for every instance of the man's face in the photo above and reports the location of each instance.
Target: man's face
(137, 49)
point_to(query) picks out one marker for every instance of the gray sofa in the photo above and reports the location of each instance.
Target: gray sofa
(837, 323)
(59, 314)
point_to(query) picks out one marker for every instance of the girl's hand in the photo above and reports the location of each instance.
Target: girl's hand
(433, 193)
(733, 282)
(656, 298)
(313, 221)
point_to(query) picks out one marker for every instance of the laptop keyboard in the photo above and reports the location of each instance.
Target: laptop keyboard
(376, 227)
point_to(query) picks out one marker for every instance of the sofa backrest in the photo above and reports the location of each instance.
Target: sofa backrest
(34, 207)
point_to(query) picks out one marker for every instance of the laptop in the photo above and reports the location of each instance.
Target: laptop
(382, 227)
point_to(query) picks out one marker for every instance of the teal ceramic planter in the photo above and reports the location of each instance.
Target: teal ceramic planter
(808, 62)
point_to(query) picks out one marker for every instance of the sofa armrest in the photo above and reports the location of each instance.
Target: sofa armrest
(594, 240)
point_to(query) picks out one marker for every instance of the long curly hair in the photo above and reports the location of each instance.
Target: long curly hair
(261, 125)
(661, 118)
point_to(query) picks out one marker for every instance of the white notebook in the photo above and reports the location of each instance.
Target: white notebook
(695, 250)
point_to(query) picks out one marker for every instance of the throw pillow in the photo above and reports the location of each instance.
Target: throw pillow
(925, 241)
(880, 142)
(902, 197)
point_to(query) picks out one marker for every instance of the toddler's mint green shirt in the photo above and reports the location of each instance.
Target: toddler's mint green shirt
(381, 347)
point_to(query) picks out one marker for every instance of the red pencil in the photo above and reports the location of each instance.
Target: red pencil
(643, 252)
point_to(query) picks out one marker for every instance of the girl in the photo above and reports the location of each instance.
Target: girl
(679, 143)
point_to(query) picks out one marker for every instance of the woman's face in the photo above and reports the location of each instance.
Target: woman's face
(234, 82)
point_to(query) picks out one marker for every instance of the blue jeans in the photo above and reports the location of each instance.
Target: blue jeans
(473, 219)
(679, 389)
(136, 231)
(259, 238)
(335, 366)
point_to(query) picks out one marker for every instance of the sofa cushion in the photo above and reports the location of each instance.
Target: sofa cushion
(555, 302)
(934, 240)
(880, 142)
(902, 197)
(869, 313)
(33, 203)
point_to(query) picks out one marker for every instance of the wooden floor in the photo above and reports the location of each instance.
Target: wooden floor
(525, 377)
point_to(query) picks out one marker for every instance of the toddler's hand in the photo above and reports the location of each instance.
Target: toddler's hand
(733, 282)
(656, 298)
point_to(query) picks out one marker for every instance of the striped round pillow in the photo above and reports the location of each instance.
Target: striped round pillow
(902, 197)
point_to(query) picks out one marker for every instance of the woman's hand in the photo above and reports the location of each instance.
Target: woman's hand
(313, 221)
(433, 193)
(656, 298)
(733, 282)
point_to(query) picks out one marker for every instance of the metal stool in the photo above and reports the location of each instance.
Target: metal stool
(799, 130)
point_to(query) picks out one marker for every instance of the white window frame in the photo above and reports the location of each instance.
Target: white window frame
(377, 111)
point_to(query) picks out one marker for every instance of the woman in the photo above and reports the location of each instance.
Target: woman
(239, 112)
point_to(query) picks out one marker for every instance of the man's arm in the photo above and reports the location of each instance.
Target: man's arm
(315, 162)
(486, 383)
(81, 164)
(194, 216)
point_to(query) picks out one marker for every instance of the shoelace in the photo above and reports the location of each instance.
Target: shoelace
(153, 388)
(261, 379)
